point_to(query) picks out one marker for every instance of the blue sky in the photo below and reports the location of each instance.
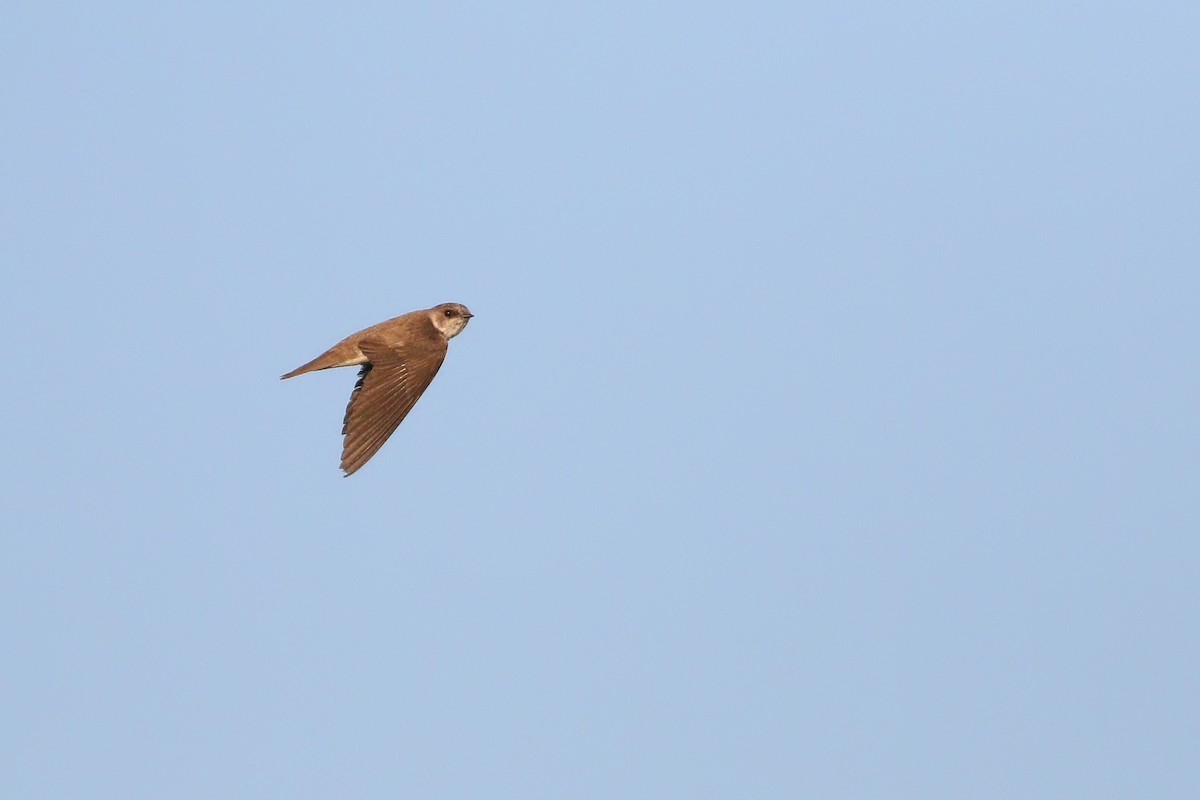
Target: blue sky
(827, 427)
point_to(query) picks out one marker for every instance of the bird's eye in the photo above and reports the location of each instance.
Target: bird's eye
(449, 312)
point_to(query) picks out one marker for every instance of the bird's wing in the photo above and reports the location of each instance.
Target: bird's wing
(388, 386)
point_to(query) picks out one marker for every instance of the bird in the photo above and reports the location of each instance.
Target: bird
(398, 359)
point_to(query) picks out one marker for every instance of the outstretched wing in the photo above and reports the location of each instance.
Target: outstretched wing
(389, 384)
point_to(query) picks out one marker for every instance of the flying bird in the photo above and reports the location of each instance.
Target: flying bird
(399, 358)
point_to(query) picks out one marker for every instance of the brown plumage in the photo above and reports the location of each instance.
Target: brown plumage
(399, 358)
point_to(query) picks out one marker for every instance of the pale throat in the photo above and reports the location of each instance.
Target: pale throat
(450, 328)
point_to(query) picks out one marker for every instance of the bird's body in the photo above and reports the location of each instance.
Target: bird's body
(399, 358)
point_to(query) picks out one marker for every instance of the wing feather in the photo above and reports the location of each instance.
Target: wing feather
(389, 384)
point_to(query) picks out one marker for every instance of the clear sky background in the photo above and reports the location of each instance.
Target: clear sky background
(828, 426)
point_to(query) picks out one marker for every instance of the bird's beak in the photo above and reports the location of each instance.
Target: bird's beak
(468, 315)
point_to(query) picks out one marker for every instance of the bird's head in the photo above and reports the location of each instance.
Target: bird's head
(450, 318)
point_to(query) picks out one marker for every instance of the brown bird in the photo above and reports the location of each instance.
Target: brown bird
(399, 358)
